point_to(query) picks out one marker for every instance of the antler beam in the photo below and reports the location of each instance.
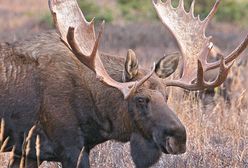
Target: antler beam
(189, 32)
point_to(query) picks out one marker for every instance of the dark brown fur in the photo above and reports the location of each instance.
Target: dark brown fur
(42, 83)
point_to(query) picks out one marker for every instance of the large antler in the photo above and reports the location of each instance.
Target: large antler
(189, 32)
(79, 36)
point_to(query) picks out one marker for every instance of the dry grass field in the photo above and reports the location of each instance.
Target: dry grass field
(217, 132)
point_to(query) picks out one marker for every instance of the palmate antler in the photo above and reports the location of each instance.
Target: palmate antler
(79, 36)
(195, 47)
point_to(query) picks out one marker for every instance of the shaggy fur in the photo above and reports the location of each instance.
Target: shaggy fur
(42, 83)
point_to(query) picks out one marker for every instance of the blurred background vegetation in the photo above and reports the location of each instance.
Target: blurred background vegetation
(234, 11)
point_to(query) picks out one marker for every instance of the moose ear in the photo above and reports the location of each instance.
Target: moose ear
(144, 152)
(167, 65)
(131, 66)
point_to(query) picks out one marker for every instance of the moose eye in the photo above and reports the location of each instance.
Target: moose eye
(142, 100)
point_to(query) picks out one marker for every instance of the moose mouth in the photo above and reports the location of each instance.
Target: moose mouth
(169, 148)
(170, 145)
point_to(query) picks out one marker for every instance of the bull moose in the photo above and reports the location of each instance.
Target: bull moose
(78, 97)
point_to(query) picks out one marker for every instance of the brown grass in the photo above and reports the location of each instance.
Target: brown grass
(15, 12)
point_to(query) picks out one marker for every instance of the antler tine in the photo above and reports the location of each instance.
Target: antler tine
(142, 81)
(181, 4)
(195, 47)
(223, 72)
(212, 13)
(231, 57)
(168, 1)
(90, 60)
(200, 74)
(200, 83)
(192, 8)
(79, 36)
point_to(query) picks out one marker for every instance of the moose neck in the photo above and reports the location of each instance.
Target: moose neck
(111, 108)
(90, 100)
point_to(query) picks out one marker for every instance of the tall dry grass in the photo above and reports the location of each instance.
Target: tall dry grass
(7, 159)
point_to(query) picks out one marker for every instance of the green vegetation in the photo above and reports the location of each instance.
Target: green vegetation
(133, 10)
(234, 11)
(47, 18)
(229, 10)
(142, 10)
(92, 10)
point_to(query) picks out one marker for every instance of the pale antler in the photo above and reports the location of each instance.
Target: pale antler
(79, 36)
(195, 47)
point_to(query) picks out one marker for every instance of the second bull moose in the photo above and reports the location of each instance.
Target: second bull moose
(78, 97)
